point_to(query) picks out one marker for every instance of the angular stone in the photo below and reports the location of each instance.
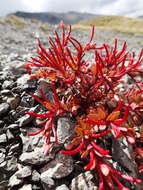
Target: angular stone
(83, 181)
(24, 82)
(35, 157)
(46, 88)
(7, 84)
(13, 102)
(26, 187)
(30, 143)
(4, 108)
(27, 118)
(47, 182)
(36, 187)
(9, 135)
(14, 181)
(3, 184)
(65, 130)
(1, 123)
(17, 67)
(62, 187)
(58, 168)
(122, 155)
(2, 155)
(3, 138)
(35, 176)
(9, 165)
(5, 92)
(27, 101)
(14, 128)
(14, 148)
(24, 172)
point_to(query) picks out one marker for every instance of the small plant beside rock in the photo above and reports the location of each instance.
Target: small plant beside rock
(97, 97)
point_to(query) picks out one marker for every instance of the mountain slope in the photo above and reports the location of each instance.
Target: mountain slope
(55, 18)
(114, 23)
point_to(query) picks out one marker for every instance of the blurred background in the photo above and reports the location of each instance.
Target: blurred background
(130, 8)
(119, 15)
(25, 20)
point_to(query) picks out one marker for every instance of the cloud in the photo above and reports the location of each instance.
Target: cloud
(124, 7)
(76, 5)
(8, 6)
(35, 5)
(110, 7)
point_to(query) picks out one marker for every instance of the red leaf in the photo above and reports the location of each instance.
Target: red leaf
(130, 139)
(74, 151)
(97, 135)
(104, 169)
(36, 133)
(99, 149)
(91, 165)
(116, 130)
(139, 151)
(124, 118)
(109, 182)
(113, 116)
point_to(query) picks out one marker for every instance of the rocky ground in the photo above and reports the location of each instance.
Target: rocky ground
(23, 165)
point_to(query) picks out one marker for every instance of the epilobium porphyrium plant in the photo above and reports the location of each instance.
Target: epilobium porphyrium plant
(91, 94)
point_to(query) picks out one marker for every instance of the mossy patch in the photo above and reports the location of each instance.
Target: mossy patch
(15, 21)
(114, 23)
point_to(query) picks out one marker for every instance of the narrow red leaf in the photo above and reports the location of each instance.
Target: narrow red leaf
(36, 133)
(99, 149)
(92, 163)
(124, 118)
(104, 169)
(74, 151)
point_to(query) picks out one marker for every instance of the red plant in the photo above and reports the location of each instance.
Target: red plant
(91, 94)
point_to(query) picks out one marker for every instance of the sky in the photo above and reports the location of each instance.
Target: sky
(106, 7)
